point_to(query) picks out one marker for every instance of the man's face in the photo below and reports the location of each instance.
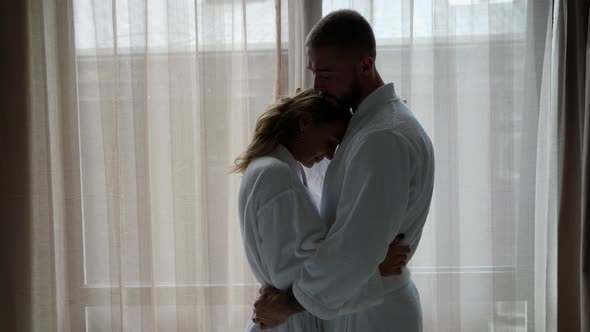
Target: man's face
(335, 74)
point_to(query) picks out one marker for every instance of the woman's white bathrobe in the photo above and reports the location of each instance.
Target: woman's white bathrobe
(281, 228)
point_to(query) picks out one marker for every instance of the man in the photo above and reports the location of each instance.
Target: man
(379, 184)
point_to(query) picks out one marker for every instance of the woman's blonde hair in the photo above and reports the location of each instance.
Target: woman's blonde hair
(280, 123)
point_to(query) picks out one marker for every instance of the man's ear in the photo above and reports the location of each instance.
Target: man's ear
(366, 65)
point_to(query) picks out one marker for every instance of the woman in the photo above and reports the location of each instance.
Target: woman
(279, 218)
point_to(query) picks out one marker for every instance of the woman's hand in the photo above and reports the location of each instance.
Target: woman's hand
(272, 308)
(396, 259)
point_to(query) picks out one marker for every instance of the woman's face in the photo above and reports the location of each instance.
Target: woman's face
(317, 141)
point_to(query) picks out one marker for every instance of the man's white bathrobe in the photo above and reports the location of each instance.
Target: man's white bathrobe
(281, 227)
(378, 185)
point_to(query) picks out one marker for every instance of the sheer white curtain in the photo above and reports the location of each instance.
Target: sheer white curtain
(474, 73)
(156, 99)
(140, 106)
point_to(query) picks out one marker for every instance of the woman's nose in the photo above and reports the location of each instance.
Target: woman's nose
(317, 84)
(330, 154)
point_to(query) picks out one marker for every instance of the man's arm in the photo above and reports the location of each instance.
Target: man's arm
(374, 199)
(274, 306)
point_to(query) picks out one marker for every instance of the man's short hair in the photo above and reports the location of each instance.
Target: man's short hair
(345, 29)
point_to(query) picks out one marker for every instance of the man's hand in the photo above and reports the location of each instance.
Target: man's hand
(396, 259)
(273, 307)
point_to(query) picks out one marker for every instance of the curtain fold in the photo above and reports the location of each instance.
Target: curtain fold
(15, 203)
(573, 107)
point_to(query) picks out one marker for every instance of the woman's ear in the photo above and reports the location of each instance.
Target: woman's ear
(304, 122)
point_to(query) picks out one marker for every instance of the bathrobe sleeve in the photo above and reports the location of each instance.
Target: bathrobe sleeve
(289, 213)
